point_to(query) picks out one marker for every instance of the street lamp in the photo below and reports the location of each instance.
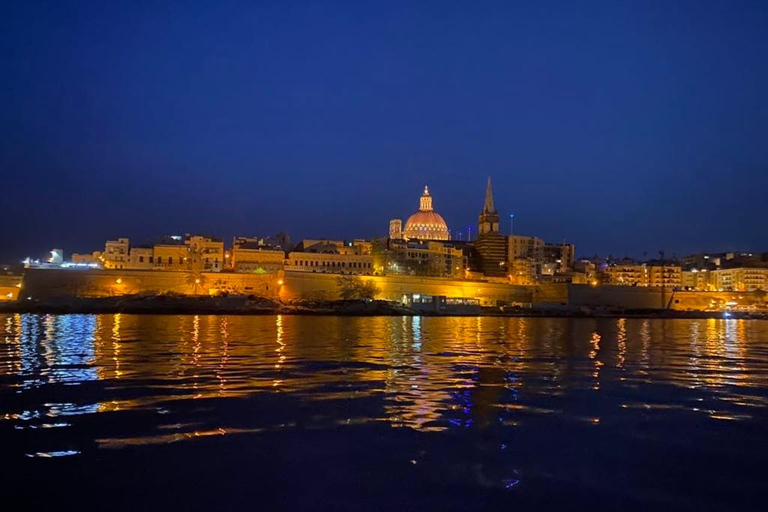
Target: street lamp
(511, 224)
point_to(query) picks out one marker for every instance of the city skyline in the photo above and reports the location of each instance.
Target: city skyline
(456, 233)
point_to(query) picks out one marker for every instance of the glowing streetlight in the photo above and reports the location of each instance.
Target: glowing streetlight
(511, 223)
(118, 280)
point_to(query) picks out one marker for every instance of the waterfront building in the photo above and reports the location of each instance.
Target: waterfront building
(171, 254)
(549, 259)
(332, 263)
(206, 251)
(491, 246)
(522, 271)
(424, 258)
(669, 276)
(255, 258)
(525, 247)
(739, 279)
(425, 224)
(588, 269)
(116, 254)
(142, 257)
(696, 279)
(557, 258)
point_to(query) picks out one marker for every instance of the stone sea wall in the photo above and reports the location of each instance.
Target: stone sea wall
(307, 285)
(9, 287)
(639, 297)
(46, 283)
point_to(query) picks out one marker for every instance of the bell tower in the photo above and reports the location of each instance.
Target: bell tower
(488, 221)
(491, 246)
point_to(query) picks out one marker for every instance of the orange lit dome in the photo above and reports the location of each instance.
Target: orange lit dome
(426, 224)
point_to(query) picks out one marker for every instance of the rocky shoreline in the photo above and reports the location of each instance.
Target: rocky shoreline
(241, 305)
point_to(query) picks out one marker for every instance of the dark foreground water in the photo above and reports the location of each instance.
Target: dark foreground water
(141, 412)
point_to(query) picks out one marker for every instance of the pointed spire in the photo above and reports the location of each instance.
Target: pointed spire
(489, 208)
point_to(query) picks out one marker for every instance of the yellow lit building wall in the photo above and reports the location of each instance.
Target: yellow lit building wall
(522, 271)
(142, 258)
(740, 279)
(171, 257)
(696, 280)
(643, 275)
(208, 251)
(257, 261)
(329, 263)
(116, 254)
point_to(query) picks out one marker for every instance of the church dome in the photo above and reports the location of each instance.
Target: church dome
(426, 224)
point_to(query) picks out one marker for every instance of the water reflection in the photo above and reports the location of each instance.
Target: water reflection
(428, 374)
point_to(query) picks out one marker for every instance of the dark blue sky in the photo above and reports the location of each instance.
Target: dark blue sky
(622, 127)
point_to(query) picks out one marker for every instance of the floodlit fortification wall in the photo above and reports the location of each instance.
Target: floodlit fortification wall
(640, 297)
(308, 285)
(44, 283)
(628, 297)
(550, 294)
(700, 301)
(9, 289)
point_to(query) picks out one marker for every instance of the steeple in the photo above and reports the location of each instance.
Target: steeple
(488, 208)
(488, 222)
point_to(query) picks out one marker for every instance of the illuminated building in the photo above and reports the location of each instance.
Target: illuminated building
(549, 259)
(116, 254)
(425, 224)
(207, 251)
(739, 279)
(427, 258)
(491, 246)
(557, 257)
(142, 257)
(332, 263)
(696, 279)
(643, 275)
(252, 257)
(171, 254)
(525, 247)
(357, 246)
(522, 271)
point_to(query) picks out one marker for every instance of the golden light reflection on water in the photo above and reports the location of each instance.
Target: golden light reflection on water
(429, 374)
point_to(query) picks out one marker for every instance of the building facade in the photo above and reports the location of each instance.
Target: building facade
(740, 279)
(329, 263)
(669, 276)
(256, 259)
(206, 252)
(429, 258)
(116, 254)
(491, 246)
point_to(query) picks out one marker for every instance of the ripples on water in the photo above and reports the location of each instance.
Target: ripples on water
(413, 412)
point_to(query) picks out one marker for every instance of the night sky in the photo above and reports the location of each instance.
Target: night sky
(622, 127)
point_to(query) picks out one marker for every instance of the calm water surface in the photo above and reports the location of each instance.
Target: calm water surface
(141, 412)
